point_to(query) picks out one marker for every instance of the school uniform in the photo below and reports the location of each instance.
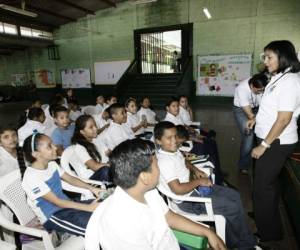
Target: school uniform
(100, 122)
(243, 97)
(117, 133)
(148, 228)
(133, 120)
(73, 115)
(149, 113)
(28, 128)
(174, 119)
(63, 136)
(37, 183)
(225, 201)
(99, 108)
(281, 94)
(185, 116)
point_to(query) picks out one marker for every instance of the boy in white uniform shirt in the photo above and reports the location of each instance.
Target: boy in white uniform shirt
(135, 217)
(117, 131)
(185, 112)
(100, 104)
(147, 112)
(172, 115)
(35, 120)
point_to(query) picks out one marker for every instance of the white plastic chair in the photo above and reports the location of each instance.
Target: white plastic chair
(219, 220)
(12, 194)
(88, 110)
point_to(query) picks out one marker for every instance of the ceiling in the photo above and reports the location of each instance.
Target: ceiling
(51, 15)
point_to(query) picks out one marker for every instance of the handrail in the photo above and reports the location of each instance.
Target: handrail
(126, 77)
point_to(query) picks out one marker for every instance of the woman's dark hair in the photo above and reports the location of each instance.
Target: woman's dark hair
(287, 55)
(129, 159)
(80, 139)
(160, 128)
(259, 80)
(142, 100)
(182, 132)
(172, 99)
(129, 100)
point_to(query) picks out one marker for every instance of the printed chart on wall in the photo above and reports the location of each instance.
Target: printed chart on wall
(219, 75)
(76, 78)
(44, 79)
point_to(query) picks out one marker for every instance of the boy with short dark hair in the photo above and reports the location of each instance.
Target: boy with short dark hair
(62, 135)
(117, 131)
(135, 217)
(175, 177)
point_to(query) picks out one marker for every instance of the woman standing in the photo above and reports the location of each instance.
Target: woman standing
(276, 129)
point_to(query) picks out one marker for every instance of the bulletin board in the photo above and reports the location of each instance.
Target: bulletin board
(110, 72)
(218, 75)
(43, 78)
(19, 79)
(76, 78)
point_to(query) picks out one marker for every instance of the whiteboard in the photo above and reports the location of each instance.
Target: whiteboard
(76, 78)
(110, 72)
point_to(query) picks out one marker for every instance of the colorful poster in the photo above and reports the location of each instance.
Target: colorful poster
(44, 79)
(219, 75)
(19, 80)
(76, 78)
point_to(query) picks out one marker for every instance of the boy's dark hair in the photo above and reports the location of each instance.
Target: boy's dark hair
(129, 159)
(182, 132)
(58, 109)
(114, 108)
(80, 124)
(172, 99)
(129, 100)
(287, 55)
(160, 128)
(259, 80)
(182, 96)
(34, 113)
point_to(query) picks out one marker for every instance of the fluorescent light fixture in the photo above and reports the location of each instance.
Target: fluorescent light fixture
(206, 12)
(17, 10)
(142, 1)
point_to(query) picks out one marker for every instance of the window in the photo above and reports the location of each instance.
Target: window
(1, 27)
(10, 29)
(25, 31)
(29, 32)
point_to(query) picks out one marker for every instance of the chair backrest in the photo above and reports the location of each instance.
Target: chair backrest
(12, 194)
(89, 110)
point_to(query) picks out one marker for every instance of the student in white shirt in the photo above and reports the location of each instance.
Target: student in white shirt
(172, 108)
(276, 129)
(134, 122)
(246, 101)
(86, 153)
(145, 110)
(175, 177)
(185, 111)
(135, 217)
(74, 110)
(102, 120)
(117, 131)
(41, 181)
(35, 120)
(100, 104)
(8, 163)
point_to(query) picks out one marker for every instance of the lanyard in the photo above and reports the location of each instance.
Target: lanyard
(272, 85)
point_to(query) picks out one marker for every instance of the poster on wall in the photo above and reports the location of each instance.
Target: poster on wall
(76, 78)
(44, 79)
(219, 75)
(18, 80)
(110, 72)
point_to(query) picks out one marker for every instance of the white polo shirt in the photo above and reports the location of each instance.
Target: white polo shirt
(172, 166)
(100, 108)
(117, 133)
(185, 116)
(243, 96)
(28, 128)
(282, 95)
(150, 115)
(8, 163)
(122, 223)
(174, 119)
(100, 122)
(134, 120)
(73, 115)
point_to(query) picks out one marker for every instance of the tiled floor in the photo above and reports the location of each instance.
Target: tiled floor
(222, 121)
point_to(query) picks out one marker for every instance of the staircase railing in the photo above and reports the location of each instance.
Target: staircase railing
(184, 85)
(126, 78)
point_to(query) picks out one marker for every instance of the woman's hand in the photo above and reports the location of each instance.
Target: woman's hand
(205, 182)
(250, 123)
(104, 165)
(92, 206)
(215, 242)
(96, 191)
(199, 174)
(258, 151)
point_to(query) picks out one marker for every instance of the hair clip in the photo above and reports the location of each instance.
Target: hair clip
(35, 132)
